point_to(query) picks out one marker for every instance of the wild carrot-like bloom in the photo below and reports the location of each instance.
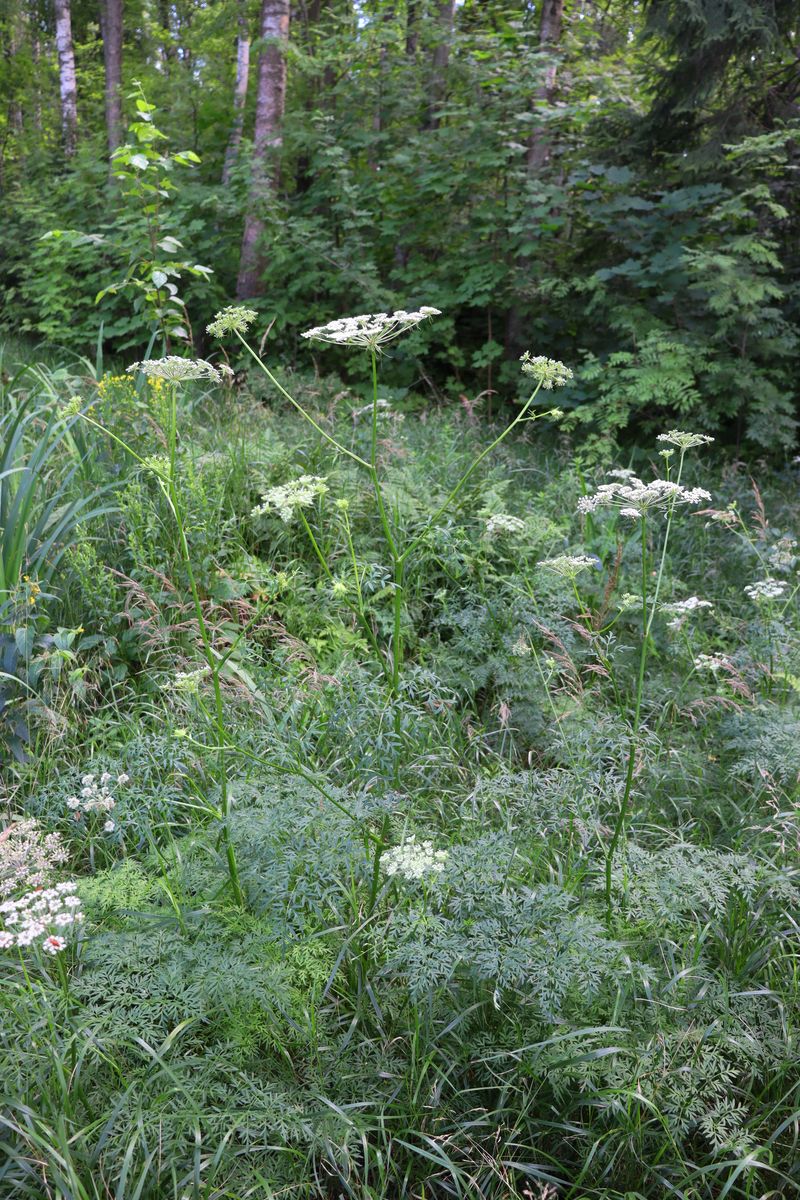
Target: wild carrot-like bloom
(180, 370)
(548, 372)
(38, 913)
(569, 566)
(370, 330)
(679, 610)
(27, 855)
(635, 499)
(288, 497)
(233, 319)
(678, 607)
(683, 440)
(413, 859)
(187, 683)
(710, 662)
(766, 589)
(503, 523)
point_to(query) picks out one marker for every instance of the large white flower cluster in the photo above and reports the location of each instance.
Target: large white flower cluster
(766, 589)
(288, 497)
(549, 373)
(370, 330)
(413, 859)
(180, 370)
(233, 319)
(635, 499)
(27, 855)
(684, 440)
(501, 524)
(40, 913)
(569, 566)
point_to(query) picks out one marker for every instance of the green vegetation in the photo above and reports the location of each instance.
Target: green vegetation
(399, 713)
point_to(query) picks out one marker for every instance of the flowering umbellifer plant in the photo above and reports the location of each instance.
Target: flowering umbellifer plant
(175, 370)
(370, 332)
(638, 501)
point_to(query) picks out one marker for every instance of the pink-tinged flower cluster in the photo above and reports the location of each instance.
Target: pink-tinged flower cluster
(636, 499)
(40, 917)
(27, 855)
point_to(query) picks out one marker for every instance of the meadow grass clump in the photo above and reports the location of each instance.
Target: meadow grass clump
(426, 806)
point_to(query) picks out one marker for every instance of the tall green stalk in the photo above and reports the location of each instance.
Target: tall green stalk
(648, 614)
(167, 482)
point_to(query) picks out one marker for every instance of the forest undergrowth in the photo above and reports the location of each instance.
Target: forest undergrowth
(396, 804)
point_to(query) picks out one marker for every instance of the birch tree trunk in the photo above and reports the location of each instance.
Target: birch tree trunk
(111, 29)
(68, 88)
(267, 140)
(239, 97)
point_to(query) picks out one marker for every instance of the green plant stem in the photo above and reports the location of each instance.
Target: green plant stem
(469, 473)
(648, 615)
(212, 659)
(306, 416)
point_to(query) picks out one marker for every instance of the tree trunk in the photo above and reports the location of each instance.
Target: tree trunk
(549, 37)
(538, 148)
(440, 59)
(412, 33)
(66, 75)
(267, 139)
(239, 97)
(111, 30)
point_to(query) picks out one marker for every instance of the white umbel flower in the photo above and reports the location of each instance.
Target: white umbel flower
(502, 524)
(370, 330)
(288, 497)
(766, 589)
(233, 319)
(181, 370)
(684, 440)
(569, 566)
(635, 499)
(549, 373)
(413, 859)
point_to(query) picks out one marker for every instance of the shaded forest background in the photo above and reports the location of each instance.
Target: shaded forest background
(612, 184)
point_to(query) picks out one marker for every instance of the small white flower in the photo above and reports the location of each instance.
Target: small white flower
(73, 802)
(105, 777)
(6, 939)
(109, 826)
(710, 662)
(635, 499)
(123, 779)
(233, 319)
(54, 944)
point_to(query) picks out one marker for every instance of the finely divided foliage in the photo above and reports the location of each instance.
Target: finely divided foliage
(394, 829)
